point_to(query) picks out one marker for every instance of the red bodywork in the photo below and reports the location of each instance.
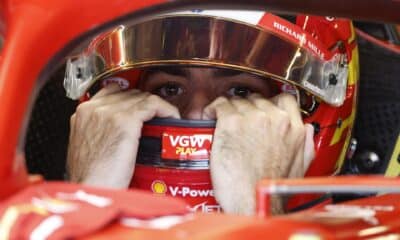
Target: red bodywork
(35, 31)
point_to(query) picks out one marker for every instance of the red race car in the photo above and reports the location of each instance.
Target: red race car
(56, 55)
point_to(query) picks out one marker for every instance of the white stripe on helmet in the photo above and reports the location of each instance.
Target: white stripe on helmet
(250, 17)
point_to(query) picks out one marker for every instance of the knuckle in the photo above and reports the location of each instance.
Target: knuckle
(288, 98)
(232, 120)
(300, 133)
(153, 98)
(142, 107)
(259, 116)
(283, 120)
(282, 116)
(85, 108)
(261, 101)
(285, 126)
(100, 112)
(220, 100)
(82, 108)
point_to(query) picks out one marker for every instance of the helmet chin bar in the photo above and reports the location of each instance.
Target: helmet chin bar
(150, 153)
(173, 159)
(199, 40)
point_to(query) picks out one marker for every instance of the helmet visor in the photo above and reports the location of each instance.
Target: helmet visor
(207, 41)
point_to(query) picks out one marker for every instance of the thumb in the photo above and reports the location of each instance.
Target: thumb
(309, 148)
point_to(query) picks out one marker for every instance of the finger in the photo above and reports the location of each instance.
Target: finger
(107, 90)
(297, 168)
(154, 106)
(121, 100)
(72, 126)
(242, 105)
(288, 103)
(218, 108)
(118, 97)
(261, 103)
(98, 110)
(72, 131)
(304, 159)
(309, 147)
(71, 144)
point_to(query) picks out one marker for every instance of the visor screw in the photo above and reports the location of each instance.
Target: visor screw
(368, 161)
(332, 79)
(79, 73)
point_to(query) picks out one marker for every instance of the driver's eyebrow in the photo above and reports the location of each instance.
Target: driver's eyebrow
(177, 71)
(223, 72)
(185, 72)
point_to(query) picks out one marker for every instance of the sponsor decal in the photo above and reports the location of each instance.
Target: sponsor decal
(251, 17)
(39, 206)
(366, 213)
(122, 82)
(47, 227)
(288, 88)
(53, 205)
(158, 187)
(163, 222)
(315, 49)
(186, 146)
(205, 208)
(188, 192)
(81, 195)
(300, 37)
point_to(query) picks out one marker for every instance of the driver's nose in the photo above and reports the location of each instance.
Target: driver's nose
(193, 109)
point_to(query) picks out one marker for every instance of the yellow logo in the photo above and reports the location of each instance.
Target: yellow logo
(159, 187)
(184, 151)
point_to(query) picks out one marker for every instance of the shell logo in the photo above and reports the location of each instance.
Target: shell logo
(158, 187)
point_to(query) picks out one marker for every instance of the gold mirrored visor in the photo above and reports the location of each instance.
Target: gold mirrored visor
(198, 40)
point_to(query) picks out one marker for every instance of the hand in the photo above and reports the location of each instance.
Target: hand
(256, 138)
(105, 134)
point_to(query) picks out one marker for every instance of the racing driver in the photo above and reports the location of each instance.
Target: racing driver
(259, 132)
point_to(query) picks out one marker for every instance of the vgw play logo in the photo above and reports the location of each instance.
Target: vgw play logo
(186, 147)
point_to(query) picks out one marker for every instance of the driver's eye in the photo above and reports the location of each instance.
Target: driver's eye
(169, 90)
(239, 91)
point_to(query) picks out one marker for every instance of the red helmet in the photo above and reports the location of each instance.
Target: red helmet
(313, 58)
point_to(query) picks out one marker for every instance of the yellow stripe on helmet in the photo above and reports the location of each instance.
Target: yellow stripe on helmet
(354, 72)
(393, 169)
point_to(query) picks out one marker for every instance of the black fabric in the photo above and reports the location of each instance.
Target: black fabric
(48, 130)
(378, 116)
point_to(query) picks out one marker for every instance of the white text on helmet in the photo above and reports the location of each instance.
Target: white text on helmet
(188, 192)
(205, 208)
(289, 31)
(190, 141)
